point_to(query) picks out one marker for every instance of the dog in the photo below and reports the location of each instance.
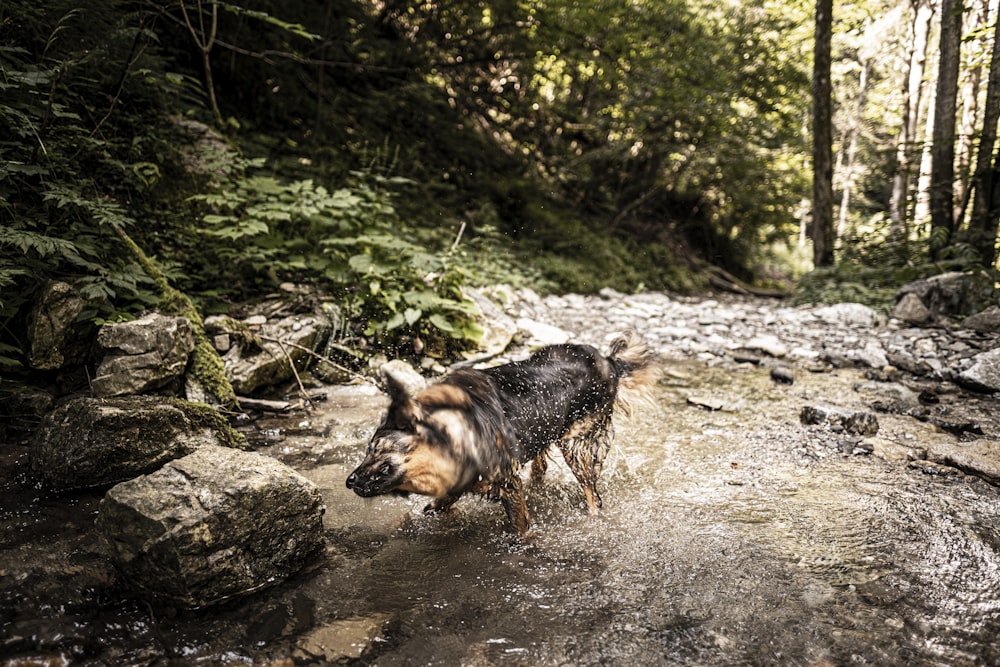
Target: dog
(474, 430)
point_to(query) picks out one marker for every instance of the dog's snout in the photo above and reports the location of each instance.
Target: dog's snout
(352, 480)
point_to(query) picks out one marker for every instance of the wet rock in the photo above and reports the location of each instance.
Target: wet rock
(92, 443)
(891, 451)
(861, 423)
(213, 525)
(282, 343)
(983, 374)
(24, 406)
(782, 376)
(346, 640)
(911, 309)
(143, 355)
(854, 422)
(979, 457)
(986, 321)
(56, 338)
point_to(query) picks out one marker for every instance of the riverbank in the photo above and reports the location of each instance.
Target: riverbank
(733, 532)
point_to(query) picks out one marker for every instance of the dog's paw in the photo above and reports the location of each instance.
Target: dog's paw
(430, 509)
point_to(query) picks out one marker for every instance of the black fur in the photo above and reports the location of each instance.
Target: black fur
(474, 430)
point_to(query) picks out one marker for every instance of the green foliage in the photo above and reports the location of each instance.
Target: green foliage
(260, 230)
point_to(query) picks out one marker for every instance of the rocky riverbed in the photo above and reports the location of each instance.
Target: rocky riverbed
(809, 485)
(945, 375)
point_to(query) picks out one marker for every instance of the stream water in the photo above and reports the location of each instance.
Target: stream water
(735, 536)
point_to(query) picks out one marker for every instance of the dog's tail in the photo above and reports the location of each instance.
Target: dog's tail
(638, 370)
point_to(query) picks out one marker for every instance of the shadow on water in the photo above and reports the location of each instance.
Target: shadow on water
(734, 536)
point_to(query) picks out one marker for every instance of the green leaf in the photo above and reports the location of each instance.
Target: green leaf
(412, 315)
(441, 322)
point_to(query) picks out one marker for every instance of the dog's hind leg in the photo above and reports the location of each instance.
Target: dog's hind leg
(585, 446)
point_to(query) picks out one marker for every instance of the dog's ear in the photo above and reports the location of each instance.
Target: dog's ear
(404, 412)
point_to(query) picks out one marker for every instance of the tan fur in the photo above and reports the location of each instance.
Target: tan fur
(635, 387)
(428, 472)
(444, 394)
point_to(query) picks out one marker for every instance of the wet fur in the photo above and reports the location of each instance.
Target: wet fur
(472, 432)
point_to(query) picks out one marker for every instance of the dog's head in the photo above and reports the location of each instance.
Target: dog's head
(414, 449)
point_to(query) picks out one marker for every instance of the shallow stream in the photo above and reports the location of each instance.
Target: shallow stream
(733, 536)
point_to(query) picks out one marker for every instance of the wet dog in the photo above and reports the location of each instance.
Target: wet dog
(472, 432)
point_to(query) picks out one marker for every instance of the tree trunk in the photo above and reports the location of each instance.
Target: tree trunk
(923, 13)
(971, 81)
(942, 192)
(983, 221)
(852, 149)
(822, 219)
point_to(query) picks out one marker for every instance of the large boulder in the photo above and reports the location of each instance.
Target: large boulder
(144, 355)
(55, 335)
(92, 443)
(216, 524)
(950, 294)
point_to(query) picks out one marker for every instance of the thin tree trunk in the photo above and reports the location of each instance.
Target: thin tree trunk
(922, 206)
(970, 86)
(983, 221)
(204, 39)
(852, 149)
(923, 13)
(822, 222)
(942, 191)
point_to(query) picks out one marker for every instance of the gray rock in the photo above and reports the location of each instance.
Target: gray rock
(499, 328)
(346, 640)
(907, 362)
(252, 368)
(90, 442)
(979, 457)
(539, 333)
(871, 355)
(986, 321)
(143, 355)
(405, 374)
(854, 422)
(984, 374)
(849, 314)
(947, 294)
(911, 309)
(56, 338)
(216, 524)
(768, 344)
(889, 450)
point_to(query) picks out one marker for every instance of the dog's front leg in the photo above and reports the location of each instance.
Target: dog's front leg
(512, 499)
(440, 505)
